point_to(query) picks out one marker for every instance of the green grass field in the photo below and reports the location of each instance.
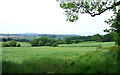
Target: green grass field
(89, 44)
(24, 44)
(60, 59)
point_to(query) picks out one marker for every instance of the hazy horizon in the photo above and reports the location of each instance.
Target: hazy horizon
(51, 34)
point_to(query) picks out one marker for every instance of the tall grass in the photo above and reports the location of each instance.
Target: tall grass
(57, 60)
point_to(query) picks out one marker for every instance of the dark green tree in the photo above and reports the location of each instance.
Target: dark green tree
(76, 41)
(68, 40)
(117, 39)
(109, 37)
(9, 39)
(97, 37)
(93, 7)
(42, 42)
(12, 43)
(4, 39)
(54, 45)
(115, 24)
(106, 38)
(34, 42)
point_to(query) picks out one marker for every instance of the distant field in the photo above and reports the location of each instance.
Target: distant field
(24, 44)
(89, 44)
(59, 59)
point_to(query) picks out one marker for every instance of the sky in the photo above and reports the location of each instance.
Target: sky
(46, 17)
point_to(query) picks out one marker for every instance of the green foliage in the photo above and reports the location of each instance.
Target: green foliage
(97, 37)
(99, 9)
(76, 41)
(115, 25)
(12, 43)
(42, 42)
(48, 44)
(4, 39)
(54, 45)
(93, 8)
(117, 39)
(18, 45)
(68, 40)
(5, 44)
(72, 8)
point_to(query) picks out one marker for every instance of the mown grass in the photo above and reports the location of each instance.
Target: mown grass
(60, 60)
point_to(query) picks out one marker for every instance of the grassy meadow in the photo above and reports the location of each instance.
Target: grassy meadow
(84, 57)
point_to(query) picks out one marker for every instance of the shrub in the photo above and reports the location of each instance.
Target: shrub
(54, 45)
(4, 39)
(42, 42)
(47, 44)
(12, 43)
(18, 45)
(5, 45)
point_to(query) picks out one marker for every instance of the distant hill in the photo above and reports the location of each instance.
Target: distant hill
(36, 35)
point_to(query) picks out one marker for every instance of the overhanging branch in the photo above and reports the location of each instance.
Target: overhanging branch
(115, 4)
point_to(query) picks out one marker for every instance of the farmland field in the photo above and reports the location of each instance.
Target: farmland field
(62, 59)
(24, 44)
(89, 44)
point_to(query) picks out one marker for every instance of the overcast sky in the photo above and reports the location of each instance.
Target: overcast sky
(46, 17)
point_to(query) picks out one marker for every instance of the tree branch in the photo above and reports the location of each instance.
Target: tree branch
(115, 4)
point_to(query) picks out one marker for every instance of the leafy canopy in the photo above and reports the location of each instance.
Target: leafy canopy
(92, 7)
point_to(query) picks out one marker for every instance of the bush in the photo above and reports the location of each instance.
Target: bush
(68, 40)
(10, 44)
(5, 45)
(18, 45)
(47, 44)
(54, 45)
(4, 39)
(42, 42)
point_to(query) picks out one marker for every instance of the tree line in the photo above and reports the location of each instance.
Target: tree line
(15, 39)
(44, 41)
(97, 37)
(11, 43)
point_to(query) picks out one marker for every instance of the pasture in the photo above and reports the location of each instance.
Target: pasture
(89, 44)
(62, 59)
